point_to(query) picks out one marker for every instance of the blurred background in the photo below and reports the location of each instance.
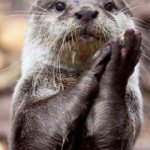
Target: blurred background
(13, 24)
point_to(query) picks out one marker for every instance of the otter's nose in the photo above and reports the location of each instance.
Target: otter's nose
(86, 15)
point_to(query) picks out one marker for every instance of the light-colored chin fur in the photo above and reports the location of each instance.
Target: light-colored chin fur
(36, 55)
(79, 53)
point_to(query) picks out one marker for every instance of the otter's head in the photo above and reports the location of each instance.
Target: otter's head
(75, 29)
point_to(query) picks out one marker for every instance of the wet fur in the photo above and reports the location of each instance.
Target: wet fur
(61, 105)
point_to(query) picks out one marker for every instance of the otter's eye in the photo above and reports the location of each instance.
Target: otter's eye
(60, 6)
(109, 6)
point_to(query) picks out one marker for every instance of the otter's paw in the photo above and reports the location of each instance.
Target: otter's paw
(125, 55)
(131, 51)
(100, 61)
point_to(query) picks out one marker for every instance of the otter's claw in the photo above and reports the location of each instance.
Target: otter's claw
(101, 60)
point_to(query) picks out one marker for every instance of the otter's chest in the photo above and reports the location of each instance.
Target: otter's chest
(51, 81)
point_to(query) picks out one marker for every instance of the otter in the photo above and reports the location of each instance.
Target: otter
(79, 88)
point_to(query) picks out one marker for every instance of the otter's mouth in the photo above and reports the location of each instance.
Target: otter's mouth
(88, 36)
(85, 36)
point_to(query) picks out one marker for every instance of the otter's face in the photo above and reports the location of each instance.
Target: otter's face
(79, 26)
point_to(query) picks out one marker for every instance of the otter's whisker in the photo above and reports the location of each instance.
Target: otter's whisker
(138, 6)
(146, 72)
(73, 57)
(72, 38)
(132, 4)
(20, 15)
(145, 55)
(141, 21)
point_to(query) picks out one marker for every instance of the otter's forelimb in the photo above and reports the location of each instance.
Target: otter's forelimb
(46, 124)
(114, 121)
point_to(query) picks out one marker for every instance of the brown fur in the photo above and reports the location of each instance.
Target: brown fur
(93, 104)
